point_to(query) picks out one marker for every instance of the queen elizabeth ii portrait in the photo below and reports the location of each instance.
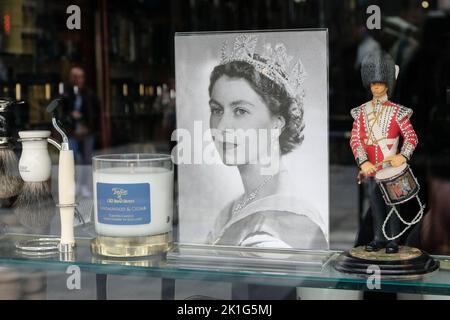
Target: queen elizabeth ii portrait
(262, 192)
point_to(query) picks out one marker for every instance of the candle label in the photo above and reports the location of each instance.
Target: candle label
(123, 204)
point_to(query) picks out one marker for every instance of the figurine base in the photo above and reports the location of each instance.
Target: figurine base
(407, 263)
(129, 247)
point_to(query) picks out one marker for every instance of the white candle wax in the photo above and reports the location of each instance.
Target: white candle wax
(131, 202)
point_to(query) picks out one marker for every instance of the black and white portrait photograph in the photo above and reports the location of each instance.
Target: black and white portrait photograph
(252, 139)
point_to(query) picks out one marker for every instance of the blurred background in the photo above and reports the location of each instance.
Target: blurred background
(121, 63)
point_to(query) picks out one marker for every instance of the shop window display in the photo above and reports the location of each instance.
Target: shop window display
(136, 71)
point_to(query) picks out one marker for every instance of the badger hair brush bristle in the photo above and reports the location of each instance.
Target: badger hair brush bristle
(35, 206)
(10, 180)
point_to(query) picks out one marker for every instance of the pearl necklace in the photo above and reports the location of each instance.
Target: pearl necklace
(242, 204)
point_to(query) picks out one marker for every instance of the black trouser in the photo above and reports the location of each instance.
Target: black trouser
(379, 211)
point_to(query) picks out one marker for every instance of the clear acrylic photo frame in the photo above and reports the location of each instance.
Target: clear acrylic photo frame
(232, 258)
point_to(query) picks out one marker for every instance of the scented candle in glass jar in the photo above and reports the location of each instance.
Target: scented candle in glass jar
(133, 204)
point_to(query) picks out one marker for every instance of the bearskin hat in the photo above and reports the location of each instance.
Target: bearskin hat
(378, 66)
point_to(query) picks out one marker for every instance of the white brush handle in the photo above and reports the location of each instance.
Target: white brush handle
(66, 186)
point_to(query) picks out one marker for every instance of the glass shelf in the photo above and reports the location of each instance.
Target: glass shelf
(319, 274)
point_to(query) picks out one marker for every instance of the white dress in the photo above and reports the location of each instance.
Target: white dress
(275, 221)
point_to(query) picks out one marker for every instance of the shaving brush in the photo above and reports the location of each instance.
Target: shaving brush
(35, 206)
(10, 180)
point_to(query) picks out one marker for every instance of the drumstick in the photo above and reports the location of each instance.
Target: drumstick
(361, 174)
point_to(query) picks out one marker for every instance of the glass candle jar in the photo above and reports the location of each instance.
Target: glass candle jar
(133, 204)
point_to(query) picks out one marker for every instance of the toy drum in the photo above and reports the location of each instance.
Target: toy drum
(398, 185)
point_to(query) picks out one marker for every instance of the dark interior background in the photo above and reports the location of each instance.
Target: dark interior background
(127, 51)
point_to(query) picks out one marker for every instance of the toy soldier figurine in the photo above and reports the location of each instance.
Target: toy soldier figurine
(375, 141)
(378, 125)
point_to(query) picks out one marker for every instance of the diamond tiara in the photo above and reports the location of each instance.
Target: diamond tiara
(273, 62)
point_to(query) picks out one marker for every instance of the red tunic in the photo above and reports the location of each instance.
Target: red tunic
(393, 122)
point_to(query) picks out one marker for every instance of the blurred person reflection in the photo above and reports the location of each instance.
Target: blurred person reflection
(367, 44)
(3, 72)
(432, 234)
(81, 118)
(406, 29)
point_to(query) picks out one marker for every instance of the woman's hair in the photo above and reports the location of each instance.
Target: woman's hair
(275, 97)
